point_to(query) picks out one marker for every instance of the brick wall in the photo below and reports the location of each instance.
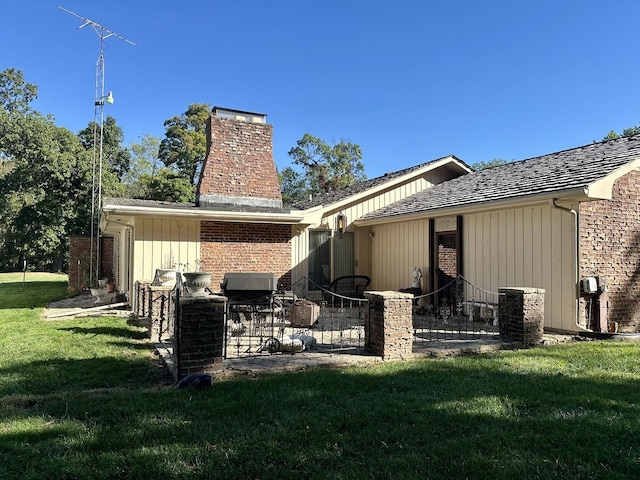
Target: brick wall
(610, 249)
(245, 247)
(239, 162)
(447, 257)
(80, 250)
(199, 346)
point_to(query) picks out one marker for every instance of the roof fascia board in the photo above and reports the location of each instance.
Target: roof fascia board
(390, 184)
(573, 195)
(194, 213)
(603, 189)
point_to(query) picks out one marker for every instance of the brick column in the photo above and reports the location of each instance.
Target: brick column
(199, 343)
(390, 332)
(159, 312)
(521, 315)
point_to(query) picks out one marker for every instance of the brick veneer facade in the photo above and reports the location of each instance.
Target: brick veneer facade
(245, 247)
(610, 250)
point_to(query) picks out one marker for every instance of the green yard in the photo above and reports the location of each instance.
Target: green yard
(86, 398)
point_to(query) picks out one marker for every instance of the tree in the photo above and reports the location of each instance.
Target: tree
(496, 162)
(325, 167)
(168, 186)
(627, 132)
(116, 158)
(184, 146)
(45, 184)
(292, 186)
(15, 93)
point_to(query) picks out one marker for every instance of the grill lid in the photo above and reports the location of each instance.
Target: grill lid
(250, 282)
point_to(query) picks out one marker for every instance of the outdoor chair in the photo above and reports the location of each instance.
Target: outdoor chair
(352, 286)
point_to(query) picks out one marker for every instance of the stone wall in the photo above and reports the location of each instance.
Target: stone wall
(521, 315)
(160, 313)
(390, 330)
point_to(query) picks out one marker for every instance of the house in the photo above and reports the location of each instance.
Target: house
(568, 222)
(239, 224)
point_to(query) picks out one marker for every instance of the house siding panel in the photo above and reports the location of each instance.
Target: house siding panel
(165, 243)
(502, 249)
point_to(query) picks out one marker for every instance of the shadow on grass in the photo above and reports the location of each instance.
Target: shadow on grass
(32, 295)
(109, 331)
(469, 418)
(60, 375)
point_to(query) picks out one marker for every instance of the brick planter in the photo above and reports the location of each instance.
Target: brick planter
(521, 315)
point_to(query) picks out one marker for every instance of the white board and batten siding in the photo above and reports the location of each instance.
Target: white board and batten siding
(525, 247)
(165, 243)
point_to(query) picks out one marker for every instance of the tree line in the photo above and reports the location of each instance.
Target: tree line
(46, 172)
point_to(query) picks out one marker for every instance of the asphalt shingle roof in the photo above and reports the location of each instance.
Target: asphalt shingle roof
(555, 172)
(335, 196)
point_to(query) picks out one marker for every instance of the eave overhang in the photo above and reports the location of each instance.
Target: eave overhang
(125, 214)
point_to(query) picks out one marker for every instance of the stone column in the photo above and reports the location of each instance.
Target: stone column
(390, 330)
(521, 314)
(142, 298)
(199, 342)
(159, 312)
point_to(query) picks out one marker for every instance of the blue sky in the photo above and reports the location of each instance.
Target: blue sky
(407, 80)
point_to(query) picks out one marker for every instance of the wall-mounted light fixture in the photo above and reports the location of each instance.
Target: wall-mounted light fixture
(341, 223)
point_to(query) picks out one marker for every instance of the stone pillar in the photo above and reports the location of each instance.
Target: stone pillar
(521, 314)
(199, 342)
(159, 312)
(142, 298)
(390, 331)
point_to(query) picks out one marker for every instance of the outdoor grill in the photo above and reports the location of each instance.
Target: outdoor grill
(250, 287)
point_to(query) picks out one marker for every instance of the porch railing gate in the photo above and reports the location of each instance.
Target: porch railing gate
(457, 311)
(294, 322)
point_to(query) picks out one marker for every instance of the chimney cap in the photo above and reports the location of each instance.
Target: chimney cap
(241, 115)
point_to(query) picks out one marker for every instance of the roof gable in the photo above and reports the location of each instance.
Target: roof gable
(556, 173)
(333, 197)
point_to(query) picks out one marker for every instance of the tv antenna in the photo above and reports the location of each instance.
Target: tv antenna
(98, 136)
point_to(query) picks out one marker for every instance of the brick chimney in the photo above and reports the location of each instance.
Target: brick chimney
(239, 169)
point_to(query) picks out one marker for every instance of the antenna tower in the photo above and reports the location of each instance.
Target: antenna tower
(98, 135)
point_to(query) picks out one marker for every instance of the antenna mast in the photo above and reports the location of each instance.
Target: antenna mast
(98, 135)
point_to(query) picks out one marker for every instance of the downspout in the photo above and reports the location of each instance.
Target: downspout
(577, 259)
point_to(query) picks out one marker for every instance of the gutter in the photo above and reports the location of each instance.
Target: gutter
(468, 208)
(228, 216)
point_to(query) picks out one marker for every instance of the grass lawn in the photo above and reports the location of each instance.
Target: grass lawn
(85, 398)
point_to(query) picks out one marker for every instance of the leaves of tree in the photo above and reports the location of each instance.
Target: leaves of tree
(184, 145)
(325, 167)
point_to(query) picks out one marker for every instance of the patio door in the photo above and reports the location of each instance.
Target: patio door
(330, 256)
